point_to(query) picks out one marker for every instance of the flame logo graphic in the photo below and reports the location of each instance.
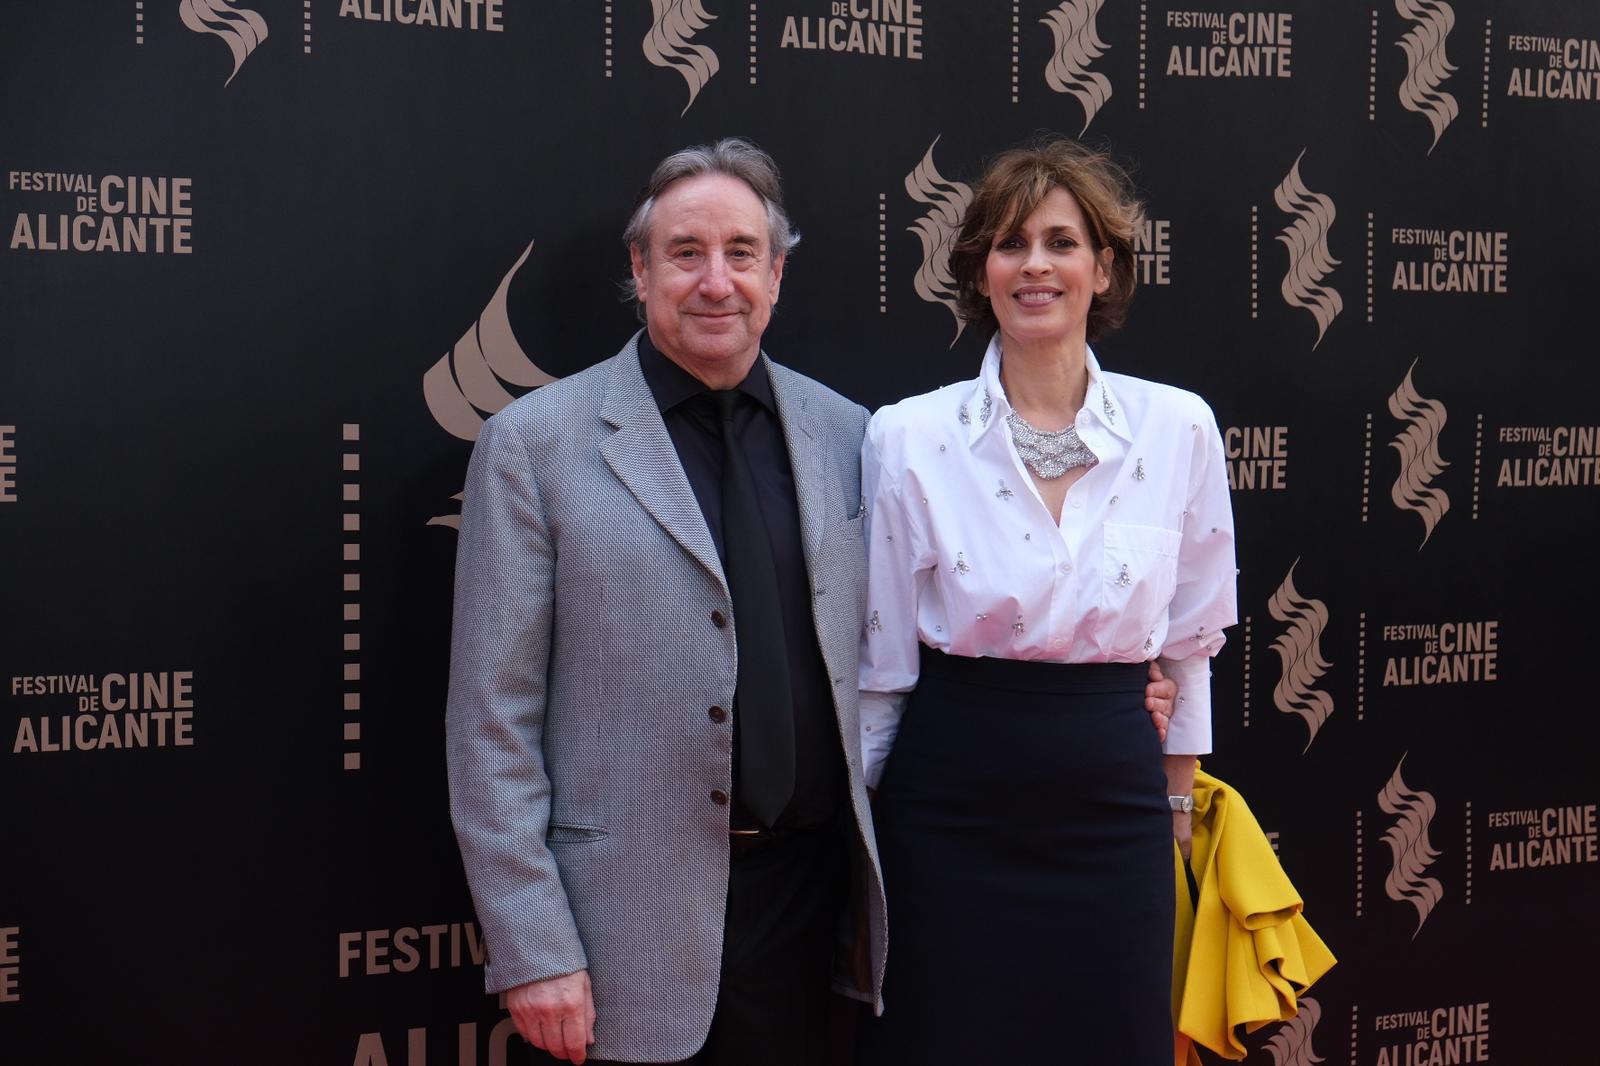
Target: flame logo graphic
(1077, 45)
(1307, 240)
(1427, 67)
(947, 201)
(1408, 840)
(1291, 1044)
(1420, 462)
(464, 387)
(1300, 650)
(667, 43)
(239, 29)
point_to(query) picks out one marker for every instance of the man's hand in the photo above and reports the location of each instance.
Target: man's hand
(556, 1015)
(1159, 696)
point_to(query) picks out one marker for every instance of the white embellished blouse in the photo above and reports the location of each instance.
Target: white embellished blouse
(963, 555)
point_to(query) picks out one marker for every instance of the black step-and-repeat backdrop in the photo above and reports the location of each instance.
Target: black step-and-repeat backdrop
(268, 265)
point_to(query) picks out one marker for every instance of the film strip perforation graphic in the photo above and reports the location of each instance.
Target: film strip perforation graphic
(350, 640)
(1370, 261)
(883, 253)
(1355, 1033)
(1366, 471)
(1361, 670)
(138, 21)
(1016, 53)
(608, 41)
(1144, 34)
(1255, 261)
(752, 42)
(1477, 466)
(307, 27)
(1246, 697)
(1372, 71)
(1488, 38)
(1360, 861)
(1467, 815)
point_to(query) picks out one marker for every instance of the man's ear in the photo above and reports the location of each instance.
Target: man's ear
(777, 277)
(636, 258)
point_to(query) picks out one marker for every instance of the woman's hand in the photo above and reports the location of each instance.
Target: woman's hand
(1182, 831)
(1160, 696)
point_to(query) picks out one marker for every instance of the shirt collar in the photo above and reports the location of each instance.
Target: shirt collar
(986, 403)
(672, 385)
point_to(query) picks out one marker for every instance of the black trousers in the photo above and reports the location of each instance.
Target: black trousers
(774, 1006)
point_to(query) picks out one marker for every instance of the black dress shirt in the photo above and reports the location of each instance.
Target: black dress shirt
(818, 759)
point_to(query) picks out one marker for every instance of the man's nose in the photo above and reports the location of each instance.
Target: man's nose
(715, 282)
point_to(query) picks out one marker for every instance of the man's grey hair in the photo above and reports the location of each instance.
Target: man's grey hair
(731, 156)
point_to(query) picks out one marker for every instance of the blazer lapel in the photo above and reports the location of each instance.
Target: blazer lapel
(806, 459)
(642, 456)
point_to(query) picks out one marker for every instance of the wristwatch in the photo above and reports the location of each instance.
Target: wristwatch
(1181, 804)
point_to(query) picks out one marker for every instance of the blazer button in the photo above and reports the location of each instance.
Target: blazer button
(719, 797)
(719, 619)
(717, 714)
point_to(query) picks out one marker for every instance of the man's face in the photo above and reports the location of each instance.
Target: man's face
(708, 279)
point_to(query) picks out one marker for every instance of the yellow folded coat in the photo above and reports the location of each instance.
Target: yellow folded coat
(1244, 953)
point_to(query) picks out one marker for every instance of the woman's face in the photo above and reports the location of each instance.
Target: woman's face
(1041, 277)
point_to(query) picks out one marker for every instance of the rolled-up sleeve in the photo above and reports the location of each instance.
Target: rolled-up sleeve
(1206, 599)
(897, 562)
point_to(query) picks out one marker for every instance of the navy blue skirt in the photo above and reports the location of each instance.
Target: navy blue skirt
(1027, 857)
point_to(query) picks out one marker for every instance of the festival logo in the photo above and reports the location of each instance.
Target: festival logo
(105, 712)
(1533, 456)
(1299, 649)
(1432, 259)
(485, 15)
(1539, 837)
(409, 949)
(1568, 68)
(936, 229)
(1306, 238)
(1291, 1043)
(104, 213)
(1152, 252)
(1420, 461)
(1258, 458)
(1427, 66)
(467, 384)
(1231, 44)
(1458, 1033)
(241, 30)
(668, 44)
(1077, 44)
(890, 30)
(1413, 853)
(1464, 651)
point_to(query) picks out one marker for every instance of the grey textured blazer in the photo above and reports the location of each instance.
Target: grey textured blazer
(583, 662)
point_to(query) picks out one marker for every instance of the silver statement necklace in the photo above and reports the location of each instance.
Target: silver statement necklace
(1049, 454)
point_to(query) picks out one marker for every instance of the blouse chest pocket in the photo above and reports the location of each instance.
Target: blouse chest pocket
(1139, 575)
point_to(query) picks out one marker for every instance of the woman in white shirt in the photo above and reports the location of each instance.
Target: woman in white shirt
(1035, 536)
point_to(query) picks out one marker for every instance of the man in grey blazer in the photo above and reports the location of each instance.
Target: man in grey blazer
(596, 657)
(655, 771)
